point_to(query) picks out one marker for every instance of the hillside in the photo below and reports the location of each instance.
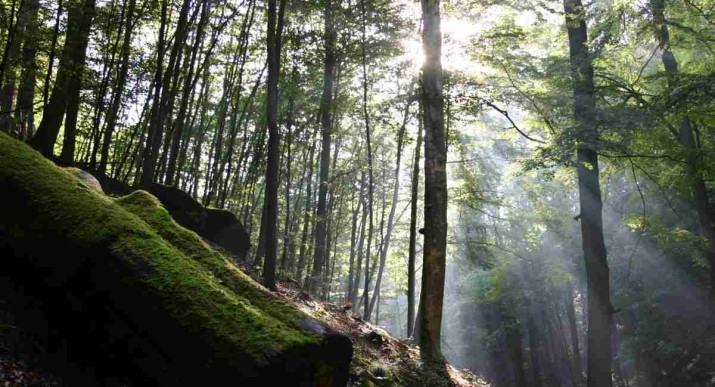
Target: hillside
(107, 290)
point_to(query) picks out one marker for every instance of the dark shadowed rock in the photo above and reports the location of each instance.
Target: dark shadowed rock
(218, 226)
(221, 227)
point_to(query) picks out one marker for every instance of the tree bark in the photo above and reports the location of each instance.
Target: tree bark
(534, 353)
(8, 68)
(68, 82)
(275, 29)
(435, 239)
(573, 331)
(51, 60)
(315, 282)
(113, 112)
(353, 241)
(393, 208)
(307, 214)
(26, 94)
(411, 274)
(370, 194)
(597, 272)
(361, 242)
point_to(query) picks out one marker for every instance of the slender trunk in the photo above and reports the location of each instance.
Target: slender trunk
(411, 274)
(315, 282)
(11, 38)
(270, 208)
(188, 89)
(513, 341)
(331, 231)
(26, 94)
(67, 84)
(148, 160)
(534, 353)
(393, 208)
(113, 112)
(361, 241)
(597, 273)
(435, 239)
(573, 330)
(8, 67)
(108, 62)
(287, 235)
(51, 59)
(353, 241)
(308, 215)
(366, 117)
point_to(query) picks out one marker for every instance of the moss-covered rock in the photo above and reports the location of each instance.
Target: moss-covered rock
(219, 226)
(115, 292)
(87, 177)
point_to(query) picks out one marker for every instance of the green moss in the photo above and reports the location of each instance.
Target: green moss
(150, 209)
(197, 286)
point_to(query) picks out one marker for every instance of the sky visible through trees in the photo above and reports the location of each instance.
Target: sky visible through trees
(567, 126)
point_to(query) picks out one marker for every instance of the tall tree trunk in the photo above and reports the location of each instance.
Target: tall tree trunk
(411, 274)
(287, 232)
(51, 59)
(26, 94)
(573, 331)
(13, 23)
(393, 208)
(307, 214)
(686, 138)
(8, 68)
(113, 112)
(368, 140)
(435, 240)
(190, 80)
(361, 242)
(516, 353)
(597, 273)
(108, 62)
(315, 282)
(68, 82)
(148, 157)
(534, 351)
(353, 241)
(275, 29)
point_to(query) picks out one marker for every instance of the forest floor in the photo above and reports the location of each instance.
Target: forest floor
(379, 359)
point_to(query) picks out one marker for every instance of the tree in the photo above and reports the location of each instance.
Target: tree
(113, 112)
(315, 282)
(435, 234)
(26, 94)
(411, 280)
(370, 180)
(65, 93)
(686, 137)
(271, 205)
(594, 248)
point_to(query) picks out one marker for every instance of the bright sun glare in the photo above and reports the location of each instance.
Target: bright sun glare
(457, 33)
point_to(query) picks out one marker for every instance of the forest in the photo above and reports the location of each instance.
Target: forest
(522, 189)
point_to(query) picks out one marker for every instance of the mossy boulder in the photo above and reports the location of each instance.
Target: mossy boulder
(218, 226)
(113, 291)
(86, 177)
(221, 227)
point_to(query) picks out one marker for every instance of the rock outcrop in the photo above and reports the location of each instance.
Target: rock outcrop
(115, 292)
(218, 226)
(221, 227)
